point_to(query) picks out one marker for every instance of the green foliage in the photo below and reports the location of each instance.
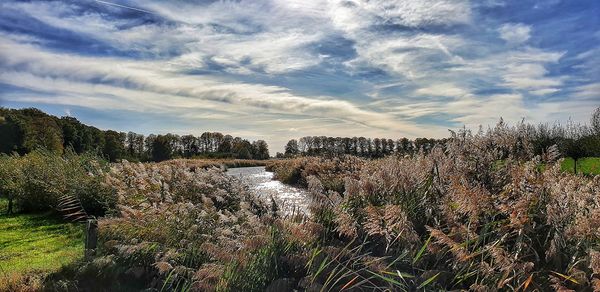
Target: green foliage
(25, 130)
(114, 145)
(12, 180)
(162, 147)
(588, 165)
(12, 133)
(35, 181)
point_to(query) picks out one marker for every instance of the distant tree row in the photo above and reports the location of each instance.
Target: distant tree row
(572, 139)
(358, 146)
(25, 130)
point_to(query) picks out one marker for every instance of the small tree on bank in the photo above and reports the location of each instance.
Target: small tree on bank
(12, 179)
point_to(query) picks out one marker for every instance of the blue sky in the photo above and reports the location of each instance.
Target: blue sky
(280, 69)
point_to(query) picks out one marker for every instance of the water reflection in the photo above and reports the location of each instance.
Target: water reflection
(290, 199)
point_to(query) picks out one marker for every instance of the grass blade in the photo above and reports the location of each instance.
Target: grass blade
(569, 278)
(349, 283)
(420, 253)
(428, 281)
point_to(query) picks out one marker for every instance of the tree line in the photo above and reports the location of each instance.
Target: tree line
(357, 146)
(571, 139)
(24, 130)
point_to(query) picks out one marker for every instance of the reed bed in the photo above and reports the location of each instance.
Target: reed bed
(480, 213)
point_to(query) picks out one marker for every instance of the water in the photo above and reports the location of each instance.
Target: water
(261, 182)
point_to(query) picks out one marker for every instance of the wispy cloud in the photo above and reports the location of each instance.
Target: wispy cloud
(145, 85)
(515, 33)
(262, 68)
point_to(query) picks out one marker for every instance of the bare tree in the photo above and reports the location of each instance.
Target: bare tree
(595, 122)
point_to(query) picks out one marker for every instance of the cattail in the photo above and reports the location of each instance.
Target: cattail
(595, 262)
(163, 267)
(346, 224)
(459, 252)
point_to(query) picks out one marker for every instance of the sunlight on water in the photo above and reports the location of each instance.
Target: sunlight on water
(262, 183)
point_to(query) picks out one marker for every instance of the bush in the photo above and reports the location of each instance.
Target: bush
(12, 180)
(37, 180)
(331, 172)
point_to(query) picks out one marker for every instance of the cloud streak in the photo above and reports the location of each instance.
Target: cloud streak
(277, 69)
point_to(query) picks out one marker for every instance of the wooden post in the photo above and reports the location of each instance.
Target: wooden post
(91, 238)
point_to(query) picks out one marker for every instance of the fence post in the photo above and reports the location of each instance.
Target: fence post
(91, 238)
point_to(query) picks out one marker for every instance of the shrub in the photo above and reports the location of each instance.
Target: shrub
(12, 179)
(36, 181)
(331, 172)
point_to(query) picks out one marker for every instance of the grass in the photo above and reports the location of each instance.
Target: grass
(588, 165)
(37, 244)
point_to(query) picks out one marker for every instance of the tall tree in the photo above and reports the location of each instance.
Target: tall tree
(114, 145)
(292, 148)
(261, 150)
(134, 145)
(225, 146)
(595, 121)
(162, 148)
(43, 132)
(72, 132)
(12, 134)
(189, 145)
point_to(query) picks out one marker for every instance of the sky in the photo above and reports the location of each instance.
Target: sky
(282, 69)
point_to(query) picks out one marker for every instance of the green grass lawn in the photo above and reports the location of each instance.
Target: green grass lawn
(589, 165)
(37, 243)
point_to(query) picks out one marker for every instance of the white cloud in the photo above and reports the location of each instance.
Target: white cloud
(515, 33)
(144, 86)
(589, 91)
(430, 69)
(200, 31)
(530, 76)
(589, 61)
(409, 56)
(470, 110)
(544, 91)
(442, 89)
(522, 69)
(360, 14)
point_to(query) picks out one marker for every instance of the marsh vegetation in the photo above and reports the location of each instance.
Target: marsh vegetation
(483, 211)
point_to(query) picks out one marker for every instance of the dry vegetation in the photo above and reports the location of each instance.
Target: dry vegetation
(330, 171)
(219, 163)
(480, 213)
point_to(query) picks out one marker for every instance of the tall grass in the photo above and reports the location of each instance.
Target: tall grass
(467, 221)
(481, 213)
(331, 172)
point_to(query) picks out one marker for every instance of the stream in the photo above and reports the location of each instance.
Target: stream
(290, 199)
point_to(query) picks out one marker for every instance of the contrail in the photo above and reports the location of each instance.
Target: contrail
(123, 6)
